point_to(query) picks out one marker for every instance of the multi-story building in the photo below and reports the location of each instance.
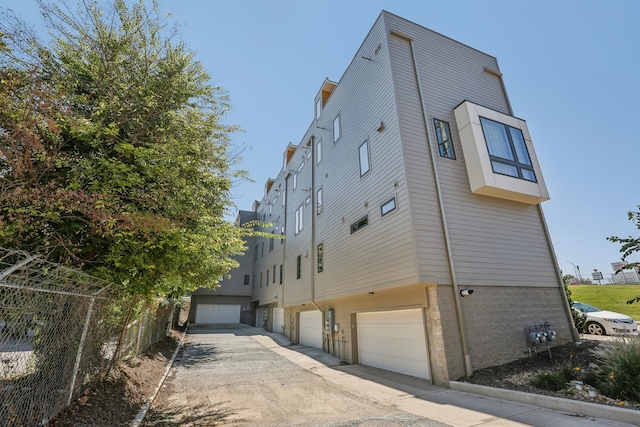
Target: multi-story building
(414, 238)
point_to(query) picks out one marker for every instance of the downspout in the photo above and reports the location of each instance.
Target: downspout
(567, 308)
(452, 270)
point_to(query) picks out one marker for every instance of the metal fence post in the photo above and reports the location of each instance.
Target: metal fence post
(76, 366)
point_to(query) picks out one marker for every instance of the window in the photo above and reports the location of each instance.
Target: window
(281, 273)
(299, 267)
(274, 274)
(271, 207)
(318, 107)
(246, 279)
(443, 135)
(336, 128)
(319, 151)
(507, 150)
(283, 198)
(319, 201)
(270, 244)
(299, 219)
(268, 277)
(260, 279)
(255, 258)
(295, 175)
(388, 207)
(362, 222)
(262, 249)
(307, 200)
(320, 259)
(363, 153)
(254, 282)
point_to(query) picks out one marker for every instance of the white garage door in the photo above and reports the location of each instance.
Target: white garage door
(278, 320)
(311, 328)
(395, 341)
(218, 313)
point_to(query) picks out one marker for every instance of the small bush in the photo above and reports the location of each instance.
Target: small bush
(618, 373)
(550, 381)
(569, 373)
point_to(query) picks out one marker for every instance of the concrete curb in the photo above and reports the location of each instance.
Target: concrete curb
(145, 408)
(621, 415)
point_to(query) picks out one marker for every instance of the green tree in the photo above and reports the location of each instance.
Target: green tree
(579, 319)
(630, 245)
(113, 152)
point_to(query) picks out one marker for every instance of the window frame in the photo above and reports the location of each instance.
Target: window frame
(319, 151)
(445, 147)
(319, 205)
(299, 216)
(320, 257)
(337, 130)
(513, 150)
(395, 206)
(298, 267)
(367, 156)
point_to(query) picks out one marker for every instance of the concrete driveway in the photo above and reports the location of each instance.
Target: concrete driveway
(245, 376)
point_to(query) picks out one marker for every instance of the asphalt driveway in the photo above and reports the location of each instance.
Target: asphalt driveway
(227, 377)
(244, 376)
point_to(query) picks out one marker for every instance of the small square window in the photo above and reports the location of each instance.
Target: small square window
(336, 128)
(443, 135)
(388, 207)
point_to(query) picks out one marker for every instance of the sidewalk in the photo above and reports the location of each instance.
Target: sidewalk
(462, 405)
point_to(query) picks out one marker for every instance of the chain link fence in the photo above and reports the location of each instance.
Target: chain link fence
(59, 330)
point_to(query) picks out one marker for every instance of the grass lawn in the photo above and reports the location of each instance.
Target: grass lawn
(609, 297)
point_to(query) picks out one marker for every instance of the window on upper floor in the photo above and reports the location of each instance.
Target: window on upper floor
(281, 273)
(363, 154)
(267, 277)
(246, 279)
(299, 219)
(319, 151)
(319, 201)
(507, 150)
(270, 244)
(274, 274)
(299, 267)
(271, 207)
(388, 207)
(261, 279)
(336, 128)
(255, 257)
(318, 107)
(320, 259)
(443, 135)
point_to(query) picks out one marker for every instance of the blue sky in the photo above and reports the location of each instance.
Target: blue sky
(571, 69)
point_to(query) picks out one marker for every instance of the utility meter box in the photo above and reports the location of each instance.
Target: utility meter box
(330, 318)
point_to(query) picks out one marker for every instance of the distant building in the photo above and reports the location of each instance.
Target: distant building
(415, 241)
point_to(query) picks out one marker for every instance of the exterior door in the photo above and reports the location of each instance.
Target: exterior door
(278, 320)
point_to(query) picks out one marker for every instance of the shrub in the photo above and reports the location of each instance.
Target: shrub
(618, 373)
(550, 381)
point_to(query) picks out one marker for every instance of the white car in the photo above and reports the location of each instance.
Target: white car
(602, 322)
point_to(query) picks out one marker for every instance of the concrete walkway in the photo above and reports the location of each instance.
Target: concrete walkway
(466, 405)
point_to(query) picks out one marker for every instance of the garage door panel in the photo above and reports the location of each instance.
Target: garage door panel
(217, 313)
(311, 328)
(394, 340)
